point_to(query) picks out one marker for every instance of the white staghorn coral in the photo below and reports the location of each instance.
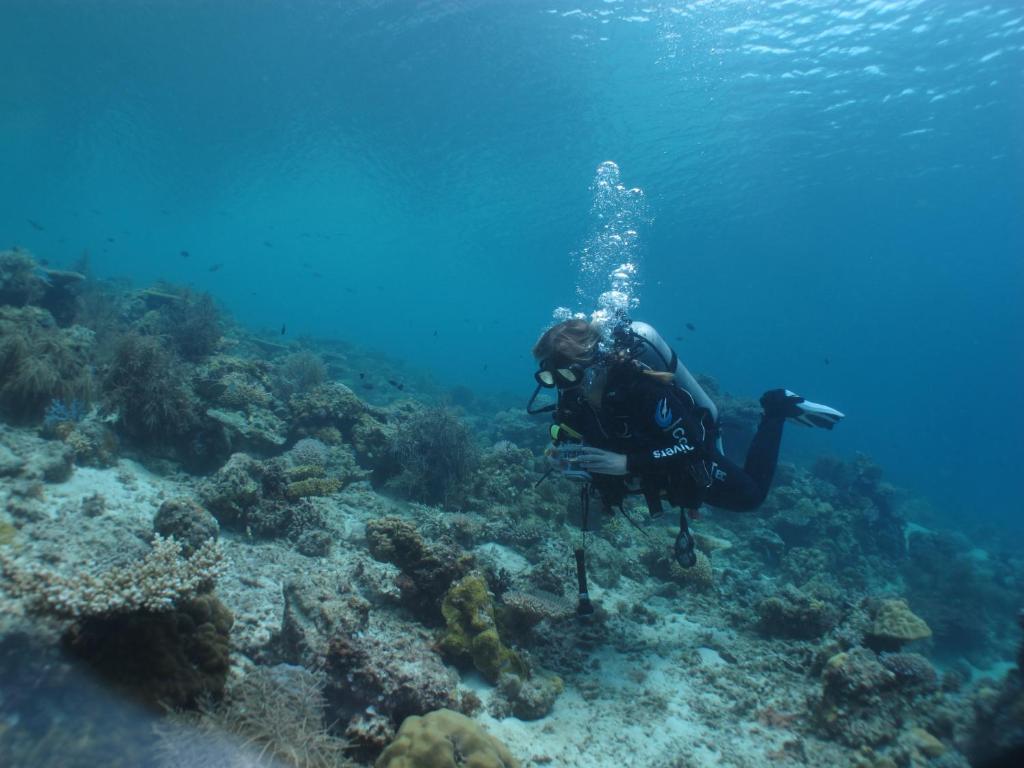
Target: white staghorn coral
(157, 583)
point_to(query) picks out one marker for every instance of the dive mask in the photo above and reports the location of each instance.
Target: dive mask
(561, 377)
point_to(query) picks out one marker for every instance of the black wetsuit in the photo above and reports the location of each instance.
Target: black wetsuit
(670, 444)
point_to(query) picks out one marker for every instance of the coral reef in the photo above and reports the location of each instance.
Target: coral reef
(435, 452)
(187, 522)
(380, 545)
(169, 658)
(190, 321)
(20, 280)
(427, 570)
(263, 498)
(521, 610)
(40, 363)
(271, 716)
(298, 373)
(146, 387)
(333, 413)
(472, 631)
(160, 582)
(444, 739)
(663, 565)
(793, 613)
(238, 391)
(528, 698)
(395, 674)
(895, 625)
(997, 722)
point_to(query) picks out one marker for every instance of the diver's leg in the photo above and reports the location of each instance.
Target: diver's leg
(743, 489)
(763, 454)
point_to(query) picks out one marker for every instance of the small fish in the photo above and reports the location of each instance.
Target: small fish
(362, 375)
(828, 361)
(679, 338)
(317, 274)
(111, 240)
(396, 384)
(36, 225)
(435, 333)
(216, 267)
(367, 385)
(282, 329)
(268, 244)
(184, 254)
(691, 326)
(485, 366)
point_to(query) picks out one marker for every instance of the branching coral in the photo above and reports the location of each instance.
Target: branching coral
(157, 583)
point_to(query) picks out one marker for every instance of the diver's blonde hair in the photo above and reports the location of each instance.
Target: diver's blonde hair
(568, 342)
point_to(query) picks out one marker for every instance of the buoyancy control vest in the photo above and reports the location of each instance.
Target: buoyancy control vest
(656, 354)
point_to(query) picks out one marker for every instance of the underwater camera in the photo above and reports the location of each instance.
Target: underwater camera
(566, 449)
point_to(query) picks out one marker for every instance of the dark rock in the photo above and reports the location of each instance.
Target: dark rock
(167, 659)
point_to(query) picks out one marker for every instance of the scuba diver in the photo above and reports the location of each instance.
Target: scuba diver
(631, 419)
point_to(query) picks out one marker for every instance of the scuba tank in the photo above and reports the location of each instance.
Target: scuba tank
(654, 352)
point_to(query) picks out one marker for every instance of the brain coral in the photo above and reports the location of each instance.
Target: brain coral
(444, 739)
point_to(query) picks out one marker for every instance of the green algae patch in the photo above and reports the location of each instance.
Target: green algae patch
(7, 533)
(312, 486)
(472, 632)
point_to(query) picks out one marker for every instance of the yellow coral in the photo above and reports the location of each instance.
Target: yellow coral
(896, 624)
(700, 576)
(305, 471)
(444, 739)
(312, 486)
(469, 614)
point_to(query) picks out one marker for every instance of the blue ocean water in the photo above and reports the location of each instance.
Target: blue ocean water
(832, 190)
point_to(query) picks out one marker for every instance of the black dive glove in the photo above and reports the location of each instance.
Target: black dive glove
(683, 550)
